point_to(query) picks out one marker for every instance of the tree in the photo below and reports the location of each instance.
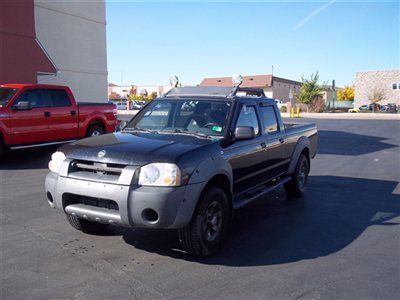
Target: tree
(114, 95)
(153, 95)
(310, 91)
(376, 96)
(347, 93)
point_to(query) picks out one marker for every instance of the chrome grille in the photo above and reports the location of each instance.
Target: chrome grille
(96, 167)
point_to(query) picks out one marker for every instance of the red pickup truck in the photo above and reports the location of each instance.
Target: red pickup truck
(39, 114)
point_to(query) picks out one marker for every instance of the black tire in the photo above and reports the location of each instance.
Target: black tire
(85, 225)
(297, 185)
(94, 130)
(206, 231)
(2, 147)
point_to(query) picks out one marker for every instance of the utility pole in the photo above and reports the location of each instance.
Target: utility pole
(334, 92)
(272, 71)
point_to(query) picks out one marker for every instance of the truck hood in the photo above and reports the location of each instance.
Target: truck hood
(133, 148)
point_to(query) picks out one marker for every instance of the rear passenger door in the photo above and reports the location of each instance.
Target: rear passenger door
(276, 162)
(63, 119)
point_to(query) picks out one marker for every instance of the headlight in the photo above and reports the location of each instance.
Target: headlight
(160, 174)
(56, 160)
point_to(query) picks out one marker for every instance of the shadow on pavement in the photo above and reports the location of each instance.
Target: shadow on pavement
(346, 143)
(24, 159)
(273, 230)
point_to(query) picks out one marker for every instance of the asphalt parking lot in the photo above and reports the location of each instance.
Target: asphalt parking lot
(342, 240)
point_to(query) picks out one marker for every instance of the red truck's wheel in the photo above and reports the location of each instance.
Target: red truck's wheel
(1, 147)
(94, 130)
(297, 185)
(206, 231)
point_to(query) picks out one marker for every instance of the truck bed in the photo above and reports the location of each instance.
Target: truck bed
(296, 131)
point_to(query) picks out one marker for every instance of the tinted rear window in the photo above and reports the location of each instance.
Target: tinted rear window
(269, 119)
(59, 98)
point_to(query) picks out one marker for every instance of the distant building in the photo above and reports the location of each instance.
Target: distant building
(274, 87)
(144, 90)
(150, 89)
(116, 91)
(55, 42)
(386, 82)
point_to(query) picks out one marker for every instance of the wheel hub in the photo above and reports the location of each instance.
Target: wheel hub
(302, 175)
(212, 221)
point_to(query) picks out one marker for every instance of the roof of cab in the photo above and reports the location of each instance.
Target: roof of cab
(216, 92)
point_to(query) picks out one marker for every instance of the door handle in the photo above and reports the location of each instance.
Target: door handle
(73, 113)
(263, 145)
(281, 140)
(47, 114)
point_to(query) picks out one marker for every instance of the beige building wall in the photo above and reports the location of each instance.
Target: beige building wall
(280, 90)
(73, 33)
(368, 81)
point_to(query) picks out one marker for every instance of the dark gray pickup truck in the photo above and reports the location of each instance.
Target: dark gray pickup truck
(187, 160)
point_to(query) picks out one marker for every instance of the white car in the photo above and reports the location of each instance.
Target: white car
(280, 104)
(121, 105)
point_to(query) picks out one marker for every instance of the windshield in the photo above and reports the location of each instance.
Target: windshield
(6, 94)
(201, 117)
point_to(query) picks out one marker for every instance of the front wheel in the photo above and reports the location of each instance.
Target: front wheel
(206, 231)
(297, 185)
(94, 130)
(85, 225)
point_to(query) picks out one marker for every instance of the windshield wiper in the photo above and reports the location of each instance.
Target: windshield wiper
(183, 132)
(139, 129)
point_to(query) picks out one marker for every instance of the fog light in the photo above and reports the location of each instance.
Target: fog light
(150, 215)
(50, 199)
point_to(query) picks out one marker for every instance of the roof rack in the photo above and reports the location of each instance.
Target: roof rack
(214, 91)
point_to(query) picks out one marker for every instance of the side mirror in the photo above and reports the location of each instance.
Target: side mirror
(244, 133)
(22, 105)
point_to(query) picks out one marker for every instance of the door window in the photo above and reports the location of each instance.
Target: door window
(35, 98)
(248, 117)
(58, 98)
(269, 119)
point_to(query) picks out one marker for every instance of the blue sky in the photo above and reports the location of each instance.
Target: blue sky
(150, 41)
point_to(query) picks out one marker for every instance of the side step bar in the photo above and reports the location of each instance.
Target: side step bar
(41, 145)
(257, 192)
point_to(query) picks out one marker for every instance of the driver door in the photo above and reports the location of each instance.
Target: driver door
(246, 156)
(32, 125)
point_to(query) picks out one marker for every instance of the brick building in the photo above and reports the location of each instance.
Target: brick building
(386, 82)
(55, 42)
(274, 87)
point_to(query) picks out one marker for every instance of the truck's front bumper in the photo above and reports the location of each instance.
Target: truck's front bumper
(131, 206)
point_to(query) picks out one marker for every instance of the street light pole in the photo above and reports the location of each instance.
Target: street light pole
(334, 93)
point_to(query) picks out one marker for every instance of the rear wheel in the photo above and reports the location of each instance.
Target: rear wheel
(206, 231)
(85, 225)
(94, 130)
(297, 185)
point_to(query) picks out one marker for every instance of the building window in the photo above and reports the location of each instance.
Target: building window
(394, 86)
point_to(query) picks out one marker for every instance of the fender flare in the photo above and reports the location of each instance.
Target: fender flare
(302, 143)
(201, 176)
(209, 168)
(92, 119)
